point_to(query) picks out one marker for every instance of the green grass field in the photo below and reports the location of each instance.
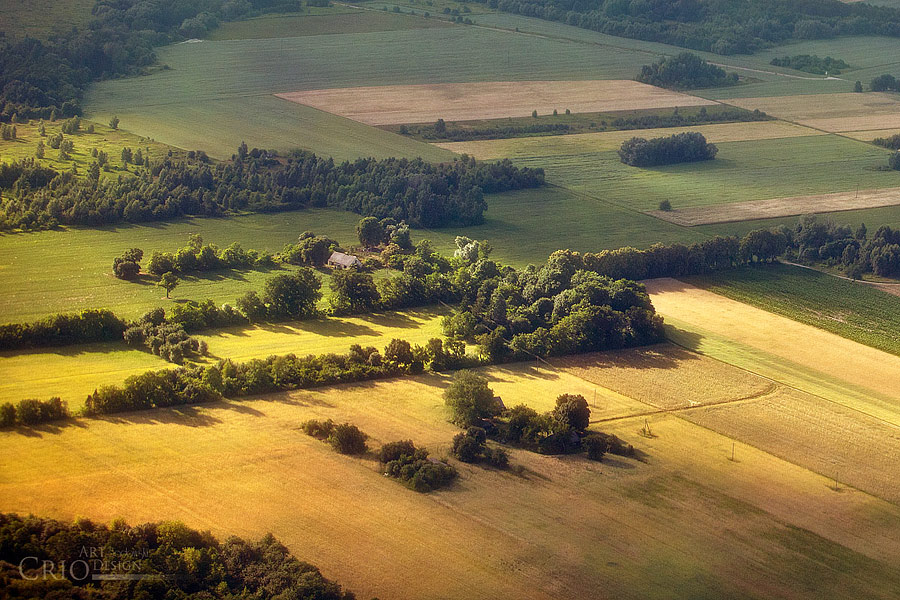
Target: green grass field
(852, 310)
(752, 170)
(41, 18)
(321, 21)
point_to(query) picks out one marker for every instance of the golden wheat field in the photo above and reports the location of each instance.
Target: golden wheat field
(581, 143)
(779, 207)
(683, 520)
(831, 112)
(395, 104)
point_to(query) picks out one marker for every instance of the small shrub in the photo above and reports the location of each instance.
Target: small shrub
(395, 450)
(665, 205)
(321, 430)
(595, 446)
(348, 439)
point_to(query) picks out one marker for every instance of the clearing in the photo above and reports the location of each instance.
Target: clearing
(779, 207)
(394, 104)
(580, 143)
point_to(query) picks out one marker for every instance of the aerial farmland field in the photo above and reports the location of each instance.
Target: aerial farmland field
(483, 344)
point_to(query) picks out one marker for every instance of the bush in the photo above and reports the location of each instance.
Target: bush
(412, 467)
(348, 439)
(395, 450)
(321, 430)
(7, 415)
(469, 445)
(595, 446)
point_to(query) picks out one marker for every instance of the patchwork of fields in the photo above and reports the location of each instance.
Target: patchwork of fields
(647, 529)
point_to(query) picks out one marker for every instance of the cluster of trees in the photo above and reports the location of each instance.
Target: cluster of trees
(885, 83)
(46, 79)
(8, 132)
(197, 257)
(822, 241)
(344, 438)
(720, 26)
(39, 554)
(411, 466)
(165, 339)
(563, 430)
(679, 148)
(94, 325)
(812, 64)
(128, 265)
(420, 193)
(31, 412)
(685, 71)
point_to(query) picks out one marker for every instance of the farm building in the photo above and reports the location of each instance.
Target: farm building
(343, 261)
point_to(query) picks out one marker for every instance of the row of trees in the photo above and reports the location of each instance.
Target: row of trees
(45, 558)
(420, 193)
(720, 26)
(679, 148)
(684, 72)
(815, 241)
(31, 412)
(812, 64)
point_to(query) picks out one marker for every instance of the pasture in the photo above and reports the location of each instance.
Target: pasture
(73, 372)
(395, 104)
(741, 171)
(104, 139)
(632, 529)
(779, 207)
(42, 18)
(582, 143)
(856, 311)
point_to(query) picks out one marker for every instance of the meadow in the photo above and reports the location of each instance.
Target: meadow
(634, 529)
(42, 18)
(856, 311)
(741, 171)
(73, 372)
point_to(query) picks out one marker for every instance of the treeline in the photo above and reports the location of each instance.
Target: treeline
(892, 142)
(200, 384)
(46, 79)
(677, 119)
(685, 71)
(720, 26)
(822, 241)
(93, 325)
(421, 193)
(440, 131)
(45, 558)
(679, 148)
(29, 412)
(812, 64)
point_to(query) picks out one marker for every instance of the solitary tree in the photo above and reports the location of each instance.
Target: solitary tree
(857, 87)
(572, 411)
(168, 281)
(114, 122)
(39, 152)
(370, 232)
(469, 399)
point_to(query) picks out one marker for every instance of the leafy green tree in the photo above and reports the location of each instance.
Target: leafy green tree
(114, 122)
(572, 411)
(469, 399)
(353, 292)
(857, 87)
(168, 281)
(39, 151)
(293, 295)
(370, 232)
(348, 439)
(251, 306)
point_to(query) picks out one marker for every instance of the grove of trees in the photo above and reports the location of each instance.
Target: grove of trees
(679, 148)
(685, 71)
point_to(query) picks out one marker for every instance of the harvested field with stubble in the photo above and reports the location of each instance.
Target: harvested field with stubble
(580, 143)
(831, 112)
(635, 530)
(793, 353)
(779, 207)
(396, 104)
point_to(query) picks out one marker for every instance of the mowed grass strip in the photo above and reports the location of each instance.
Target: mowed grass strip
(321, 21)
(794, 353)
(779, 207)
(385, 105)
(649, 530)
(831, 112)
(580, 143)
(73, 372)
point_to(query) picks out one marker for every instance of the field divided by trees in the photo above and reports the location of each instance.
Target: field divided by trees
(635, 529)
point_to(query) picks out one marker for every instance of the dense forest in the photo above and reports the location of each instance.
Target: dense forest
(685, 71)
(815, 241)
(40, 79)
(720, 26)
(421, 193)
(45, 558)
